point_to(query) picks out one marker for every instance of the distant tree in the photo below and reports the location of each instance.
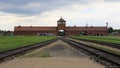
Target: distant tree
(8, 33)
(0, 33)
(116, 30)
(4, 33)
(110, 30)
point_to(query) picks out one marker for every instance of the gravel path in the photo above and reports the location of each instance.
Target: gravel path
(57, 49)
(51, 63)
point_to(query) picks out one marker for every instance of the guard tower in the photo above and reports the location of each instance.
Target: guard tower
(61, 25)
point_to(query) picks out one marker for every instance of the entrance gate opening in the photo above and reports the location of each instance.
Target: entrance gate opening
(61, 32)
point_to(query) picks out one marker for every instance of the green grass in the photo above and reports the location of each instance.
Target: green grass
(42, 55)
(108, 39)
(12, 42)
(106, 49)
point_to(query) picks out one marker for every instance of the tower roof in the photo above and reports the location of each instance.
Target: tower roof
(61, 20)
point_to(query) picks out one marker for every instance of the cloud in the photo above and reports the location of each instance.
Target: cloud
(8, 20)
(33, 7)
(95, 14)
(112, 0)
(39, 14)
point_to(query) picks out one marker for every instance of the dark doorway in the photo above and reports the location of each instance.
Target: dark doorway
(83, 33)
(61, 32)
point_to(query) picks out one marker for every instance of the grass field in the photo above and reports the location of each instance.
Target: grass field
(108, 39)
(12, 42)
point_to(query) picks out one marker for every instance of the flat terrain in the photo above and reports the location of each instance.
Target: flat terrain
(99, 46)
(57, 49)
(56, 55)
(12, 42)
(107, 39)
(51, 63)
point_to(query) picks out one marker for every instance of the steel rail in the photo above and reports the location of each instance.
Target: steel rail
(110, 57)
(23, 50)
(113, 45)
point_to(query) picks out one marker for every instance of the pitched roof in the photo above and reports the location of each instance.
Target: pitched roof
(34, 28)
(87, 28)
(61, 20)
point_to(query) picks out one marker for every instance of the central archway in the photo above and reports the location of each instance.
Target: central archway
(61, 32)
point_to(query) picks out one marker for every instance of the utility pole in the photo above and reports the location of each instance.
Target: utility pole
(107, 24)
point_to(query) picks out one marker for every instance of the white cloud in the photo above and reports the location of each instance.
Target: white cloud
(94, 14)
(31, 6)
(8, 21)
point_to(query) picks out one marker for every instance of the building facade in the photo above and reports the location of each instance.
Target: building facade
(60, 30)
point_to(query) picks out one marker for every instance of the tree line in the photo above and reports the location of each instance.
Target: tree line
(6, 33)
(111, 30)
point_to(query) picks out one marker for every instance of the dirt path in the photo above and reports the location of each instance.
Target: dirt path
(57, 49)
(50, 63)
(56, 55)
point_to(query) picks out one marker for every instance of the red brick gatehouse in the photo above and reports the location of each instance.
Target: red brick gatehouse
(60, 30)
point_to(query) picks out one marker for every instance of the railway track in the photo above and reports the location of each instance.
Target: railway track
(109, 59)
(22, 50)
(113, 45)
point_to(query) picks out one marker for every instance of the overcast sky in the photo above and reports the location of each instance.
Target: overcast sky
(47, 12)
